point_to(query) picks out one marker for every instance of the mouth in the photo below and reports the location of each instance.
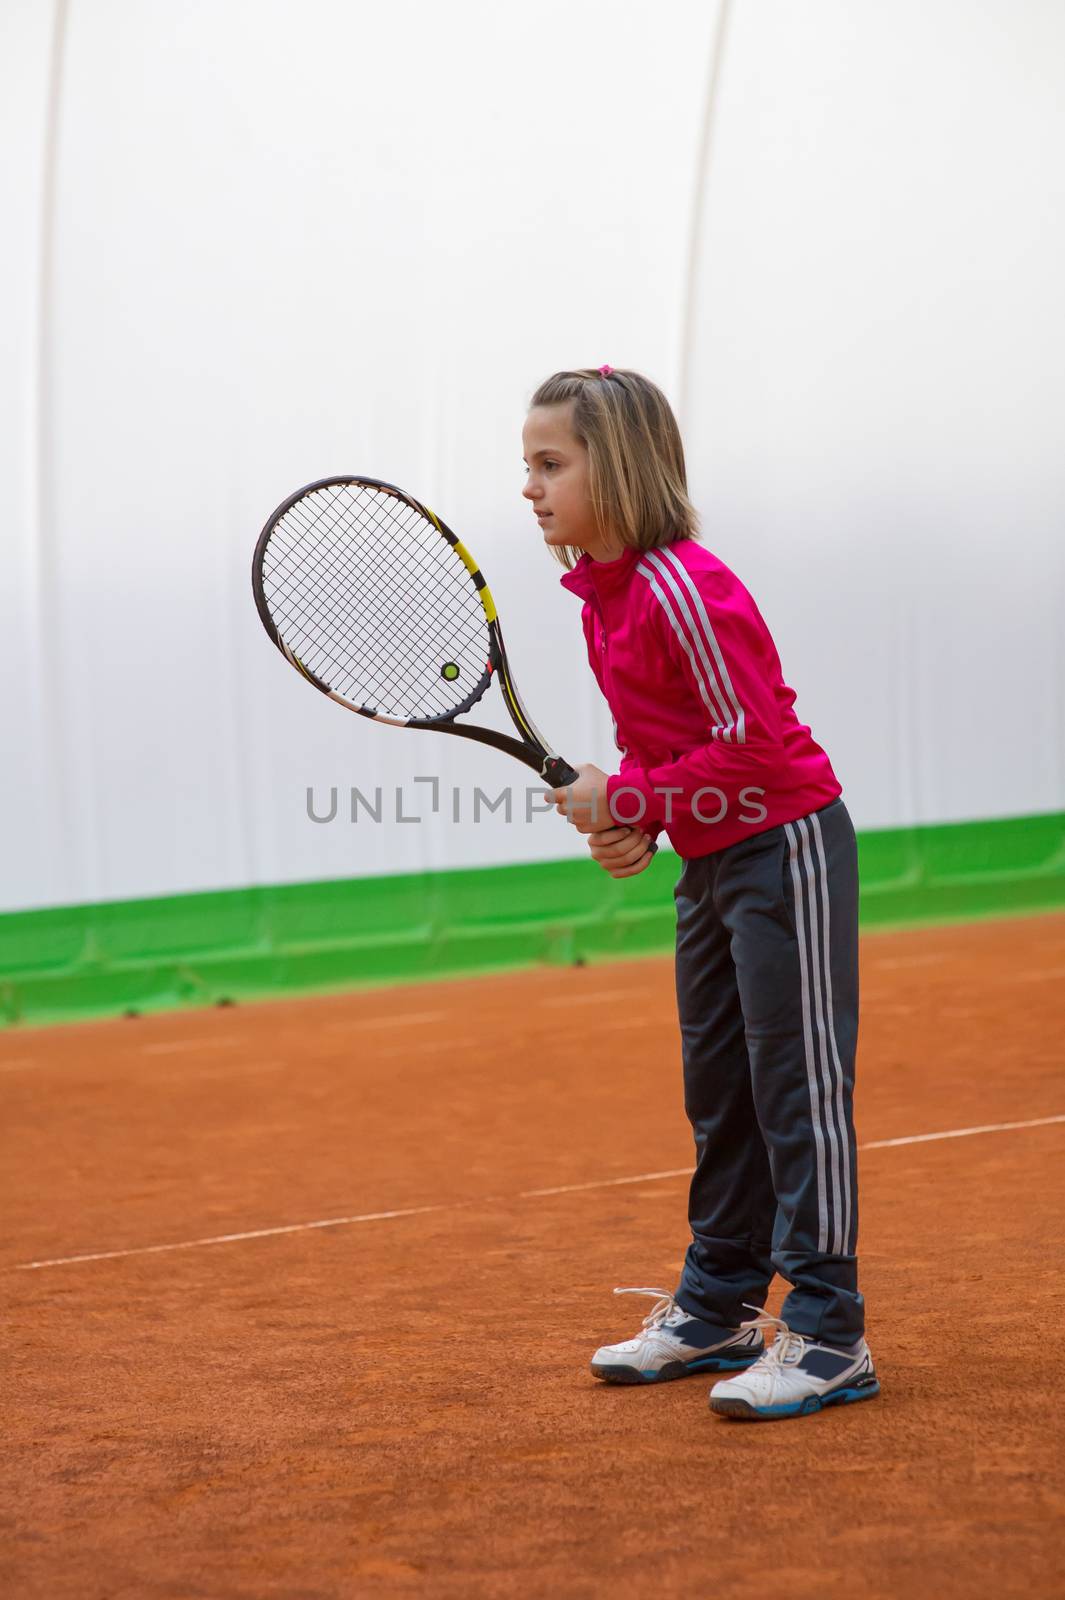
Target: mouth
(542, 516)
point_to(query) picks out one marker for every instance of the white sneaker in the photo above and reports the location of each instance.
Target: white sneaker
(673, 1344)
(796, 1376)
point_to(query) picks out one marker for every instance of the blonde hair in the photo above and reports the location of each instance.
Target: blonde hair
(636, 477)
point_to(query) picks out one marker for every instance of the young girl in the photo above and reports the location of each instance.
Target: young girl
(767, 905)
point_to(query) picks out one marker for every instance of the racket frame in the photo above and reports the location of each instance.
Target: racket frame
(531, 748)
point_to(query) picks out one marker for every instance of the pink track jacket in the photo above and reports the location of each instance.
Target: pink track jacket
(711, 747)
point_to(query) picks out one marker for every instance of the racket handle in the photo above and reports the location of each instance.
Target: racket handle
(558, 773)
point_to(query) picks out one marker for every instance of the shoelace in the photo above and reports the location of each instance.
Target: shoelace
(660, 1313)
(787, 1349)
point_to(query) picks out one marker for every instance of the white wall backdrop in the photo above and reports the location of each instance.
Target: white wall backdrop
(254, 242)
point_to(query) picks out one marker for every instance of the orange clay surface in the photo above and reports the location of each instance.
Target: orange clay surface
(401, 1404)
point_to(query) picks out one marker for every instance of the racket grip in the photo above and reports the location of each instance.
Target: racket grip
(558, 773)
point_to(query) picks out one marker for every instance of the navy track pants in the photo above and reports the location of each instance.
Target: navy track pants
(767, 993)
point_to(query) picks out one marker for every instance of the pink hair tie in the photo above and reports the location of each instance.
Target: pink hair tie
(605, 371)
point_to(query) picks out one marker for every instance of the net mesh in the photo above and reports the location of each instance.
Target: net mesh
(375, 602)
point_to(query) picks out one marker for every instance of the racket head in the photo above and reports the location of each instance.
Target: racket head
(370, 596)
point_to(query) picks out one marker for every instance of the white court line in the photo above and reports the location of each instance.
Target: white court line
(959, 1133)
(427, 1047)
(351, 1026)
(415, 1047)
(394, 1021)
(458, 1205)
(606, 1183)
(233, 1238)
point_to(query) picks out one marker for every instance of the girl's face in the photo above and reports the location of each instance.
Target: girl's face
(557, 483)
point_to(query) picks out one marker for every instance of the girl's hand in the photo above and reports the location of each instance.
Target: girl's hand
(623, 852)
(584, 803)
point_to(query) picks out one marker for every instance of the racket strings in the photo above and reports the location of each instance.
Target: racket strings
(315, 619)
(375, 602)
(330, 587)
(301, 601)
(336, 548)
(422, 568)
(403, 595)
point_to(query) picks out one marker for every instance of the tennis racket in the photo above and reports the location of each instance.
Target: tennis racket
(377, 604)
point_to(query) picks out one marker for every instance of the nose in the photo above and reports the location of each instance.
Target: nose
(530, 490)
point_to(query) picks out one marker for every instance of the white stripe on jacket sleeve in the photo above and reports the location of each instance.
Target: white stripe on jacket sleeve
(670, 556)
(717, 713)
(696, 636)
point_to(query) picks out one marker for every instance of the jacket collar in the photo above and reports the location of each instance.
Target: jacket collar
(600, 577)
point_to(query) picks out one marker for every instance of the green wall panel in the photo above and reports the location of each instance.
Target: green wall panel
(73, 962)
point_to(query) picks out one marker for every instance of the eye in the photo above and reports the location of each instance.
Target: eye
(549, 464)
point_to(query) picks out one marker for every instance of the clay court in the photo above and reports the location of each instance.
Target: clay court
(302, 1297)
